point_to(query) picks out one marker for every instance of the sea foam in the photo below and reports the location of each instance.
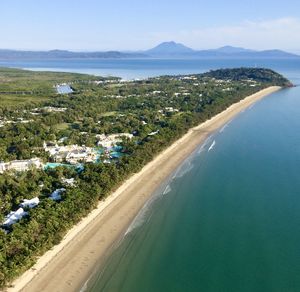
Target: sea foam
(167, 190)
(203, 146)
(224, 127)
(143, 215)
(186, 167)
(212, 146)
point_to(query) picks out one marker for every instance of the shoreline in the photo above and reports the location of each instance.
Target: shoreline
(68, 265)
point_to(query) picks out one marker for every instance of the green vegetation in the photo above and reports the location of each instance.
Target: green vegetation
(27, 87)
(240, 74)
(164, 106)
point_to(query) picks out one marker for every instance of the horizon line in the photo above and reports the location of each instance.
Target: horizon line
(295, 51)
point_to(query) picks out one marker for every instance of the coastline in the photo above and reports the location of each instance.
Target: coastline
(67, 266)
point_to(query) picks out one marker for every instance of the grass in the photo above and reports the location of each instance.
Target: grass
(23, 86)
(108, 114)
(14, 100)
(62, 126)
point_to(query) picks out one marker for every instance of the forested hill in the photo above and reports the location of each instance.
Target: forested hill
(258, 74)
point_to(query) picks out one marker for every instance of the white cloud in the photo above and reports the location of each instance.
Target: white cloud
(282, 33)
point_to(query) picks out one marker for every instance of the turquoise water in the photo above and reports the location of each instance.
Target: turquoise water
(114, 152)
(228, 219)
(64, 89)
(54, 165)
(49, 165)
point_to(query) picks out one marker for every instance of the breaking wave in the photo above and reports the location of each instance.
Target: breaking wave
(224, 127)
(203, 146)
(167, 190)
(212, 146)
(145, 213)
(186, 167)
(141, 217)
(251, 106)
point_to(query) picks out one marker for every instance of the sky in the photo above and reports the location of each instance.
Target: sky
(91, 25)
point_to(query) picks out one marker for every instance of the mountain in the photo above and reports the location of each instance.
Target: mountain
(237, 52)
(275, 54)
(164, 50)
(169, 48)
(177, 50)
(233, 50)
(62, 54)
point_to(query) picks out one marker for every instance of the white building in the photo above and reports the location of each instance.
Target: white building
(2, 167)
(170, 109)
(69, 181)
(108, 141)
(30, 203)
(21, 165)
(71, 153)
(14, 217)
(153, 133)
(56, 195)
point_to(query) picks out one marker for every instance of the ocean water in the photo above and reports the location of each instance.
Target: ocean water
(142, 68)
(228, 219)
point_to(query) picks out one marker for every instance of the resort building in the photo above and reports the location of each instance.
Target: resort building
(49, 109)
(69, 181)
(20, 165)
(71, 153)
(108, 141)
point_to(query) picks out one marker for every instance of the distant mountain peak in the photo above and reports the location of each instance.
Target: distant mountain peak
(172, 43)
(232, 49)
(58, 51)
(170, 47)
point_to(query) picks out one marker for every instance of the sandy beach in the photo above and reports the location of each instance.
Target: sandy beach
(67, 266)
